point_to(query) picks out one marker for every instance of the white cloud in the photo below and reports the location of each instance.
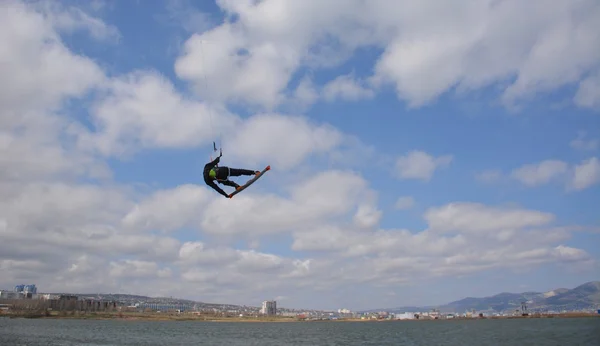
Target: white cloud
(261, 51)
(47, 210)
(197, 253)
(405, 202)
(586, 174)
(281, 141)
(320, 238)
(228, 274)
(581, 143)
(367, 216)
(325, 196)
(169, 210)
(472, 47)
(252, 73)
(37, 70)
(362, 255)
(420, 165)
(475, 217)
(70, 19)
(486, 238)
(68, 221)
(540, 173)
(588, 94)
(346, 88)
(32, 149)
(569, 254)
(35, 205)
(38, 74)
(143, 110)
(137, 269)
(575, 177)
(428, 48)
(306, 93)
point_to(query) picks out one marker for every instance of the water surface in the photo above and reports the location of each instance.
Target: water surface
(55, 332)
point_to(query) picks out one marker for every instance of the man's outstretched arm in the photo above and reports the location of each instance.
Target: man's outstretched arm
(213, 163)
(218, 189)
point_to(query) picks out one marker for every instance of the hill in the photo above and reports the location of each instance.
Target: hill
(555, 292)
(585, 296)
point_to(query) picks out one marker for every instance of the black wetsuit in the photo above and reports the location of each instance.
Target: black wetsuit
(223, 174)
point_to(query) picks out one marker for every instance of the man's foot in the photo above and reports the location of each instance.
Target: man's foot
(257, 173)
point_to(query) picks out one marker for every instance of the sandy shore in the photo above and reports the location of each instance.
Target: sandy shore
(147, 316)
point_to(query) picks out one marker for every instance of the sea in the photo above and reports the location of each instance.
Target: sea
(63, 332)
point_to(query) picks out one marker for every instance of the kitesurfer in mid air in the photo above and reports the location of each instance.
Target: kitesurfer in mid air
(212, 173)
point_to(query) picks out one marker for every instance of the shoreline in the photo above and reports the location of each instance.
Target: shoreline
(128, 316)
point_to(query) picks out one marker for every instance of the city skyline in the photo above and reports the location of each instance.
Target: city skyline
(583, 296)
(419, 152)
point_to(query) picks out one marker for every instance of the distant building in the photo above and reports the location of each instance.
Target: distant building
(68, 297)
(269, 307)
(8, 295)
(405, 316)
(154, 306)
(47, 296)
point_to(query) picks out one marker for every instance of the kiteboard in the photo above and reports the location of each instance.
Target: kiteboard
(249, 182)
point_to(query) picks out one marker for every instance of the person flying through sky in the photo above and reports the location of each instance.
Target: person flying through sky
(212, 173)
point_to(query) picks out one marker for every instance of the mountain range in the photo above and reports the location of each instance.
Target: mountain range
(585, 296)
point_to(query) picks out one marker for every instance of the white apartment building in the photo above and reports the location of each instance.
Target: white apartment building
(269, 307)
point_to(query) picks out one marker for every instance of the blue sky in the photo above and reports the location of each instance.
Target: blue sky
(421, 112)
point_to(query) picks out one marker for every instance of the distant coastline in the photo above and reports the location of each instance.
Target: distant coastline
(152, 316)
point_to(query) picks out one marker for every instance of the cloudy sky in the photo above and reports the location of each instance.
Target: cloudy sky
(420, 152)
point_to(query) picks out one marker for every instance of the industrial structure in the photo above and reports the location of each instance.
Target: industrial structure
(524, 311)
(26, 290)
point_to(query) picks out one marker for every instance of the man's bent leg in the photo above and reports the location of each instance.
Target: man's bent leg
(236, 172)
(229, 183)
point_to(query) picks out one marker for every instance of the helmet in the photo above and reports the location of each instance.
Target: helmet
(212, 173)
